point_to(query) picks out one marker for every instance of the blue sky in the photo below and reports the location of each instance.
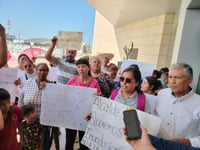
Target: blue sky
(43, 18)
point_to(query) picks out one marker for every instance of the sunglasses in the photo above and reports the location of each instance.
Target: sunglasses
(127, 80)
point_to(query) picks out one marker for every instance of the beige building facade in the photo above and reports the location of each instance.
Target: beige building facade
(151, 37)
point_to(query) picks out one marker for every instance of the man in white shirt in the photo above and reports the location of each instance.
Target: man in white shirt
(179, 107)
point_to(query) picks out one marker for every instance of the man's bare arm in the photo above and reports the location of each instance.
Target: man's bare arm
(48, 55)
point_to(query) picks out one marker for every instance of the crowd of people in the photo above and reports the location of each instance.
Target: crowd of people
(174, 102)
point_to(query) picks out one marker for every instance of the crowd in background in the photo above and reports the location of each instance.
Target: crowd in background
(174, 101)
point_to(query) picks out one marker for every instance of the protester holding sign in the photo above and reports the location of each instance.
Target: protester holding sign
(66, 67)
(20, 72)
(20, 67)
(84, 79)
(32, 94)
(3, 47)
(28, 74)
(129, 93)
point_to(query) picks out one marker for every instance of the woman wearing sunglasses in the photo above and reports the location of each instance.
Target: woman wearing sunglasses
(129, 92)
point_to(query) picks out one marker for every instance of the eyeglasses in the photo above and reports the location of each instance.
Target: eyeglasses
(127, 80)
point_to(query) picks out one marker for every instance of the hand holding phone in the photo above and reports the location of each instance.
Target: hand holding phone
(132, 124)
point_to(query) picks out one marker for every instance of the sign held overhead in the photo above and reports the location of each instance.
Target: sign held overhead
(69, 40)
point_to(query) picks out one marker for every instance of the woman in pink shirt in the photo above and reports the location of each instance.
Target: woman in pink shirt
(83, 79)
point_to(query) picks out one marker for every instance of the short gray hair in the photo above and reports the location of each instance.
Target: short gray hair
(96, 57)
(187, 69)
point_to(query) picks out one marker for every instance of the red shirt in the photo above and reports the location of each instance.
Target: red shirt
(8, 135)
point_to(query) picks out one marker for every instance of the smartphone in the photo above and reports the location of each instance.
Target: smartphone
(132, 124)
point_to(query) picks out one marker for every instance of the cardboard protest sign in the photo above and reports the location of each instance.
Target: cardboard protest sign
(69, 40)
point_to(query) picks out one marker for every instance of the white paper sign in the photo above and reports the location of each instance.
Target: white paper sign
(8, 75)
(52, 75)
(66, 105)
(69, 40)
(151, 99)
(7, 78)
(105, 129)
(146, 69)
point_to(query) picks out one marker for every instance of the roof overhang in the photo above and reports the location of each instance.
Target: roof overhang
(119, 12)
(195, 4)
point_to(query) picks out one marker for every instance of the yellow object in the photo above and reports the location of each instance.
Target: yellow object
(130, 108)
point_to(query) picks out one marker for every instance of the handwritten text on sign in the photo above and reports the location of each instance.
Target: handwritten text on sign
(66, 105)
(105, 130)
(69, 40)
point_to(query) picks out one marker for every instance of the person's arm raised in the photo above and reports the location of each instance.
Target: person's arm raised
(48, 54)
(3, 47)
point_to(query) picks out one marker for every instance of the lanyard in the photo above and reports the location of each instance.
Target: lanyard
(38, 84)
(26, 76)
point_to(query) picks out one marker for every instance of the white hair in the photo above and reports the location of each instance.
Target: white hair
(187, 69)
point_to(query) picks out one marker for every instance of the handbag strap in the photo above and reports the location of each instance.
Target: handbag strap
(87, 85)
